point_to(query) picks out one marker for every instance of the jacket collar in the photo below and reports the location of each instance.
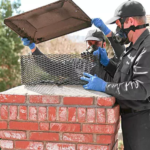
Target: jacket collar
(140, 39)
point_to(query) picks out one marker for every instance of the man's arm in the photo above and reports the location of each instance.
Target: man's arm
(118, 48)
(111, 67)
(118, 51)
(139, 87)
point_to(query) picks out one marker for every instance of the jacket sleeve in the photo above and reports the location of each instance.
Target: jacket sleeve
(118, 51)
(117, 48)
(139, 87)
(111, 68)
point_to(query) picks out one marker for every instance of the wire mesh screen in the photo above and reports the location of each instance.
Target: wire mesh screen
(59, 69)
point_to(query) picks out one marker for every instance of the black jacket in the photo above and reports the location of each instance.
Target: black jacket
(131, 82)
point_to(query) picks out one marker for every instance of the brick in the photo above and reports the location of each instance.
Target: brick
(60, 146)
(82, 138)
(12, 135)
(23, 125)
(44, 126)
(29, 145)
(4, 112)
(101, 115)
(106, 101)
(71, 114)
(41, 136)
(91, 115)
(3, 125)
(102, 129)
(62, 114)
(81, 114)
(63, 127)
(104, 139)
(6, 144)
(78, 101)
(42, 114)
(33, 113)
(113, 114)
(23, 113)
(13, 112)
(12, 98)
(91, 147)
(52, 113)
(45, 99)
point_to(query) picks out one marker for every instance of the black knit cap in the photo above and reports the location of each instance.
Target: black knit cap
(127, 9)
(95, 35)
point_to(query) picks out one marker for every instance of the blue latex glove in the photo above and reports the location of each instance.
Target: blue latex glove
(100, 24)
(26, 42)
(95, 83)
(101, 52)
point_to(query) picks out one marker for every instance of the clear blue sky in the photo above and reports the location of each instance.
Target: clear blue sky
(93, 8)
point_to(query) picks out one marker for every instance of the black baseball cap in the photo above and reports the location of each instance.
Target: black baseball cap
(127, 9)
(95, 35)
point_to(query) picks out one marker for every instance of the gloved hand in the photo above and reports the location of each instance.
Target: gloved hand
(100, 24)
(26, 42)
(95, 83)
(101, 52)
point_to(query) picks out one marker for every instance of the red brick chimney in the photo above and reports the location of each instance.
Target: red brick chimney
(71, 118)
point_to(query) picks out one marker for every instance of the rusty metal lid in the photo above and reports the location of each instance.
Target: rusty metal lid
(50, 21)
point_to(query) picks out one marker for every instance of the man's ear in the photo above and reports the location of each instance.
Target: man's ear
(131, 21)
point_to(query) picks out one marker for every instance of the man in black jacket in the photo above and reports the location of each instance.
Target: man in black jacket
(131, 82)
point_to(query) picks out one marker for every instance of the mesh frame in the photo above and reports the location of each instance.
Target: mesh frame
(55, 69)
